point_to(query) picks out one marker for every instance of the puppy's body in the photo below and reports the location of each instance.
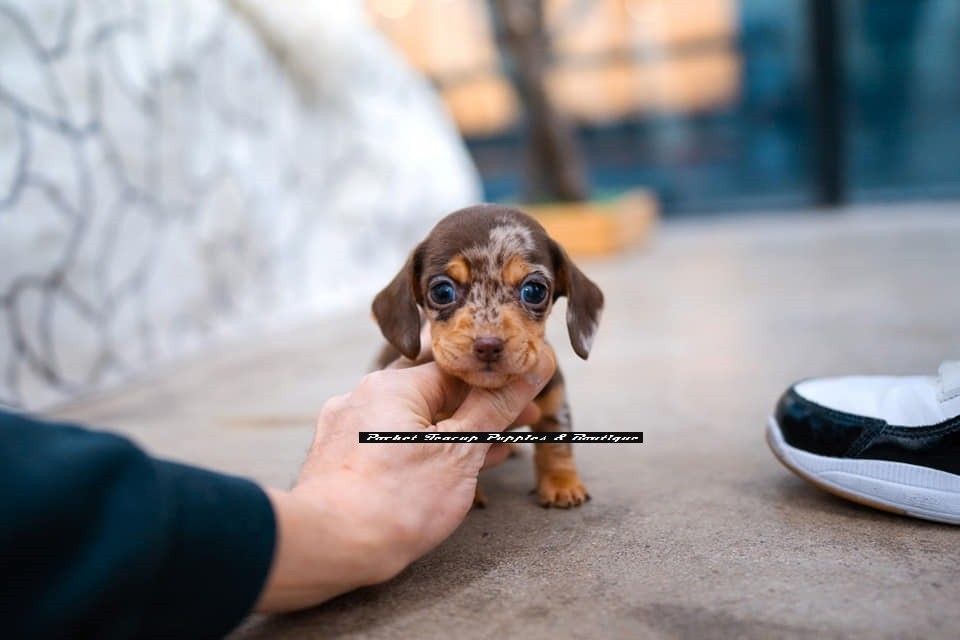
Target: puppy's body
(484, 281)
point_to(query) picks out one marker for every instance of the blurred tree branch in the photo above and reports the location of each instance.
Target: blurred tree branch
(556, 169)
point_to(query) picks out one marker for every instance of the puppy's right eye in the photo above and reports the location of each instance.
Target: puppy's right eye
(443, 293)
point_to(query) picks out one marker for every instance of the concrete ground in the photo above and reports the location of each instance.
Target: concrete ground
(697, 533)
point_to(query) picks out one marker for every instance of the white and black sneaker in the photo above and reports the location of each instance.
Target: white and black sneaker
(888, 442)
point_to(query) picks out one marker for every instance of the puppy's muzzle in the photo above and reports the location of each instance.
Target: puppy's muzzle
(488, 349)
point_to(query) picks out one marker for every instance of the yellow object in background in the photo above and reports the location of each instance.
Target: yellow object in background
(598, 228)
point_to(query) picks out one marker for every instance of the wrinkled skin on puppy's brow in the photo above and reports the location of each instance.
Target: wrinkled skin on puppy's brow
(484, 281)
(487, 254)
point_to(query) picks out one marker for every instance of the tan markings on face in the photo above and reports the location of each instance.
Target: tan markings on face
(505, 241)
(523, 336)
(515, 270)
(458, 269)
(452, 342)
(488, 291)
(493, 271)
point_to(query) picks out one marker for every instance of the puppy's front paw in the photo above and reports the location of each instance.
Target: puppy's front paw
(561, 489)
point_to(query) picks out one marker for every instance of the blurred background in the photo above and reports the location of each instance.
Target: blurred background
(717, 105)
(200, 198)
(173, 174)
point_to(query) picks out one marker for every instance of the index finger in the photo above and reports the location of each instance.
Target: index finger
(440, 393)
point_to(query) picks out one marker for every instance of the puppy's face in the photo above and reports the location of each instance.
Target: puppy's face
(487, 304)
(486, 279)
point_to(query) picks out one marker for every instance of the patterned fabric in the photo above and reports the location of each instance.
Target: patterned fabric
(167, 177)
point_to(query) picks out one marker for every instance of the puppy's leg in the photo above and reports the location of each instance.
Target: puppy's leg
(558, 483)
(479, 500)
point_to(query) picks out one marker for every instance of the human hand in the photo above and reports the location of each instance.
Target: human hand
(360, 513)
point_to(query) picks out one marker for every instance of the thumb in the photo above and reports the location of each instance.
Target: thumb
(496, 409)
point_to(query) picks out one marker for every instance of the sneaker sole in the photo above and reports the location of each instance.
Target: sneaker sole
(897, 487)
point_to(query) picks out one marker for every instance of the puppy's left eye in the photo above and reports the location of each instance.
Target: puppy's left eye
(533, 293)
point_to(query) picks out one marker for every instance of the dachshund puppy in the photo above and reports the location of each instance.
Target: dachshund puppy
(481, 286)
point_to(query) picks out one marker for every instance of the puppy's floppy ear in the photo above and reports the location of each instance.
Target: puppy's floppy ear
(395, 308)
(584, 300)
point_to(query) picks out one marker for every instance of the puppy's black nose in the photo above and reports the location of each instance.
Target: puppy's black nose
(488, 349)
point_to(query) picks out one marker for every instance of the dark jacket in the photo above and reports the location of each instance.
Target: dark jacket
(99, 540)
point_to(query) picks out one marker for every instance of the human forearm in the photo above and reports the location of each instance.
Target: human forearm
(322, 551)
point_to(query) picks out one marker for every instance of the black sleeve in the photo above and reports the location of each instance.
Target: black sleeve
(99, 540)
